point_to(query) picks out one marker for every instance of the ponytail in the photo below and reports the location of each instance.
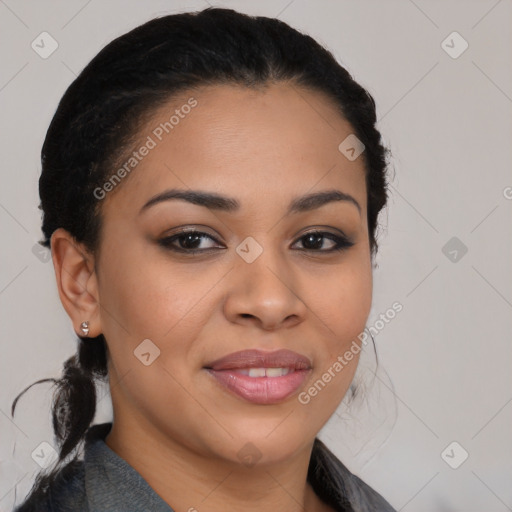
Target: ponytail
(73, 406)
(74, 402)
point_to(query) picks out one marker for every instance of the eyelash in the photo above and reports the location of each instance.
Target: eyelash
(342, 243)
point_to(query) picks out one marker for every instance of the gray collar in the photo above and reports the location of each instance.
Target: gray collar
(111, 484)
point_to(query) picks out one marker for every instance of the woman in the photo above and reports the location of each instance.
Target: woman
(210, 190)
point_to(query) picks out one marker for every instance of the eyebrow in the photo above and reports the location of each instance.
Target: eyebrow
(228, 204)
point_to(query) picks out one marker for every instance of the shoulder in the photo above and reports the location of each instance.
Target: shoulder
(61, 491)
(64, 489)
(337, 486)
(363, 497)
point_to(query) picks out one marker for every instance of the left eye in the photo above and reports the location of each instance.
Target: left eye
(314, 240)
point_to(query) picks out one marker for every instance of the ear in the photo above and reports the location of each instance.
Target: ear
(76, 281)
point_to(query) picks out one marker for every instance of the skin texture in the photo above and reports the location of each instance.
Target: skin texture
(173, 423)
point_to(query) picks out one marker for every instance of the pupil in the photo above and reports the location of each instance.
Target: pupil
(190, 240)
(311, 238)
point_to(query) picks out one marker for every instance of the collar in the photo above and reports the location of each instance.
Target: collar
(111, 484)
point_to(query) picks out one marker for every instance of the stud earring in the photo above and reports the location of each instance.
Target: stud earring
(84, 327)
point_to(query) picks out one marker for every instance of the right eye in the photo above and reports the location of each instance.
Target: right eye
(187, 242)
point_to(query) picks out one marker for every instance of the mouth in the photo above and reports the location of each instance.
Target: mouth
(261, 377)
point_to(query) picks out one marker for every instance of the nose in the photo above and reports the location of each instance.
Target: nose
(263, 293)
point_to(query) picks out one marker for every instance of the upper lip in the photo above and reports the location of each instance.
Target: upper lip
(259, 359)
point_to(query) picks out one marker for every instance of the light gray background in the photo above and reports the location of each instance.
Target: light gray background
(445, 360)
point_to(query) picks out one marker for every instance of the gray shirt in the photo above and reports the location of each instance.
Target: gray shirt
(104, 482)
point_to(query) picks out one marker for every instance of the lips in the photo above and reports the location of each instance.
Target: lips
(261, 377)
(259, 359)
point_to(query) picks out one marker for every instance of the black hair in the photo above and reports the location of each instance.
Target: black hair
(100, 115)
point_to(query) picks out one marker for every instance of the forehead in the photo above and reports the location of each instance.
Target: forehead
(257, 145)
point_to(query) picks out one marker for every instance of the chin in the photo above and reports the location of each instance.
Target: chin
(267, 443)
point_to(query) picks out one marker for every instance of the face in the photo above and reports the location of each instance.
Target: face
(252, 276)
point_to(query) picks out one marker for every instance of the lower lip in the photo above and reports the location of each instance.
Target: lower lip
(261, 390)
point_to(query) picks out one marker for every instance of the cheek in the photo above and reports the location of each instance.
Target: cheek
(148, 297)
(141, 292)
(343, 308)
(343, 311)
(343, 302)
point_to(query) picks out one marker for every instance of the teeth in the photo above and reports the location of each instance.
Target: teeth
(276, 372)
(256, 372)
(265, 372)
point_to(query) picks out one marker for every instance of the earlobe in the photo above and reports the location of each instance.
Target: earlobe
(76, 281)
